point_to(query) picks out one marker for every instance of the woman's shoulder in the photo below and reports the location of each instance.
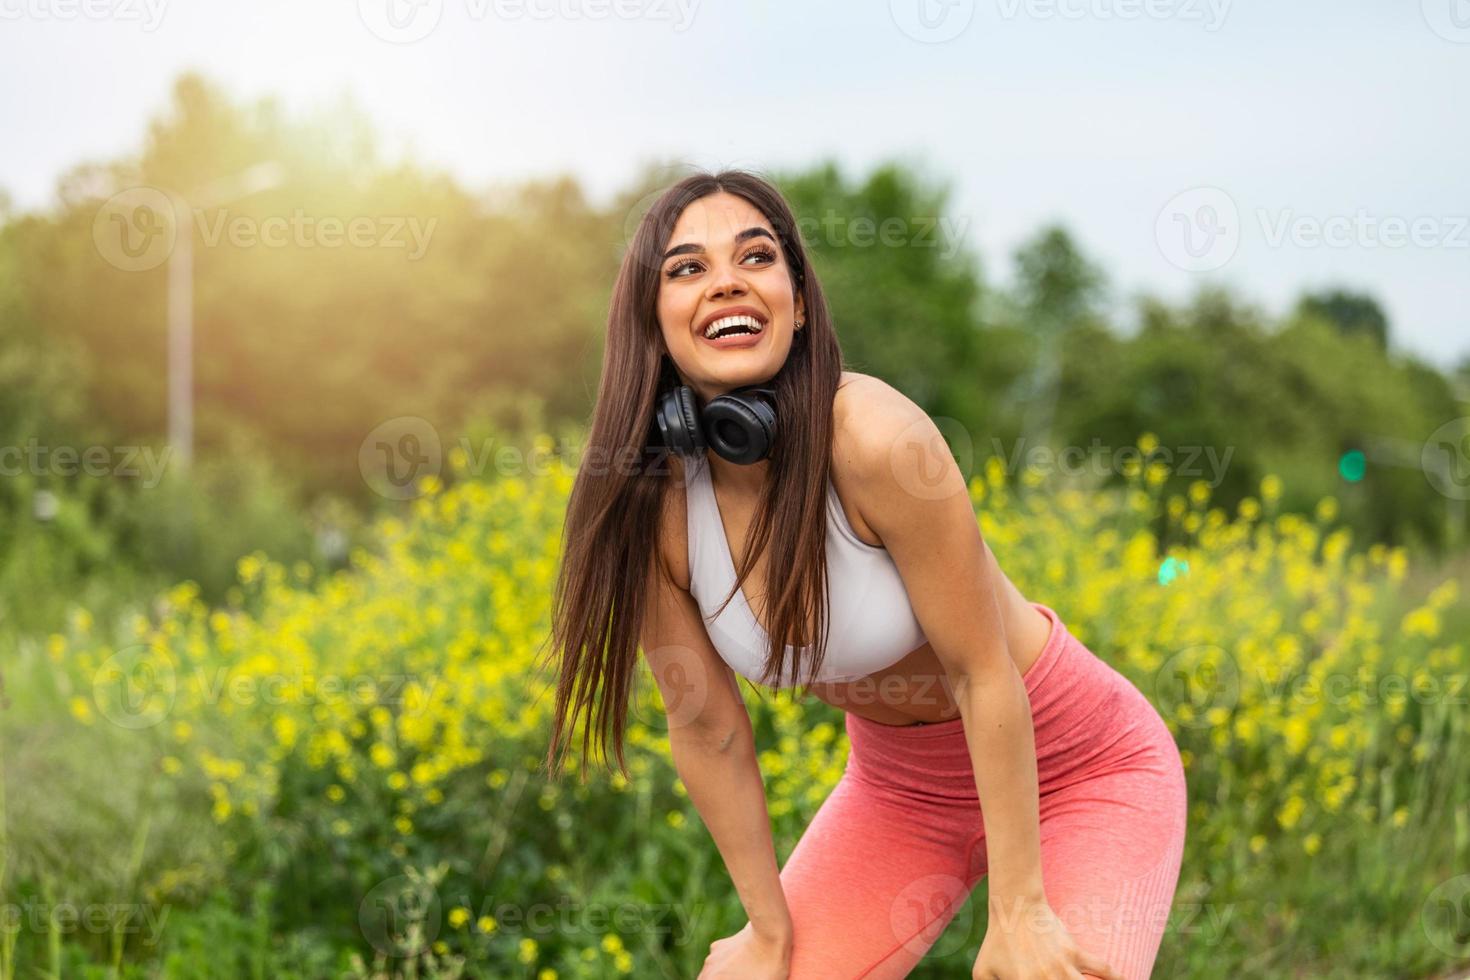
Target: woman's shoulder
(868, 417)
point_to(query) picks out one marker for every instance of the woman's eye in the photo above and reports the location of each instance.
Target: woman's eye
(676, 271)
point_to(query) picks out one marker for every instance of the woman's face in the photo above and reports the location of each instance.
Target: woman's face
(723, 259)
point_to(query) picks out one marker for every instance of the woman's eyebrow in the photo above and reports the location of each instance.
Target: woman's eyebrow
(756, 232)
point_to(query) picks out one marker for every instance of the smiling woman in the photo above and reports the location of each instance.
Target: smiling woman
(985, 738)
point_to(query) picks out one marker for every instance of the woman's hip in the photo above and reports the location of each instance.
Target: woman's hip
(1087, 718)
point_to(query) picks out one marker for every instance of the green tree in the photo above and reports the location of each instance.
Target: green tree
(901, 280)
(1351, 313)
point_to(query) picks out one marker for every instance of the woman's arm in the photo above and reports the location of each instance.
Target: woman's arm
(713, 746)
(918, 502)
(917, 499)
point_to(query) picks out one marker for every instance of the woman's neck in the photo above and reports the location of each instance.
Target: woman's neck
(744, 481)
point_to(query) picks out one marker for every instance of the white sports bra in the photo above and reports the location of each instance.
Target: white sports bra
(871, 624)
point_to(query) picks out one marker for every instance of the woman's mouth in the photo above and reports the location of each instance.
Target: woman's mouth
(740, 330)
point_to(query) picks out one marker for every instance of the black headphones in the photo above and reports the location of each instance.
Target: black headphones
(740, 425)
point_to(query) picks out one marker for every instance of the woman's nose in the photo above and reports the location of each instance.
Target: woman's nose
(726, 282)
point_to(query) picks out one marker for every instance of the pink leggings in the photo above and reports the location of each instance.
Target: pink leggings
(894, 850)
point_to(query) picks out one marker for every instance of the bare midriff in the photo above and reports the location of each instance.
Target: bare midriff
(917, 689)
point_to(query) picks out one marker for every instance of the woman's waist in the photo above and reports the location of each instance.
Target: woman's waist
(1081, 709)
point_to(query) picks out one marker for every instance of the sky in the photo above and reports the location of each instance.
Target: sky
(1271, 148)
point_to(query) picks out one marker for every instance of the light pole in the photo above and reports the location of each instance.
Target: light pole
(262, 176)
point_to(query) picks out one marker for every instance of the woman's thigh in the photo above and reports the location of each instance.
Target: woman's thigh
(1111, 849)
(874, 880)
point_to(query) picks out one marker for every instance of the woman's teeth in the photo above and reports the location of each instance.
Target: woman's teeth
(730, 323)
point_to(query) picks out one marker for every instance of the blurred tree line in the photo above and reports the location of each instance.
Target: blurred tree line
(491, 320)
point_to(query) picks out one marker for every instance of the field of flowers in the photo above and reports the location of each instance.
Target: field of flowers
(340, 775)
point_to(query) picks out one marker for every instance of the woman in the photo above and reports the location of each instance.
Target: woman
(962, 697)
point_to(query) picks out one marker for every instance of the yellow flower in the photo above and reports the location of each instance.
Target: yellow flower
(612, 943)
(1291, 811)
(1270, 487)
(546, 974)
(1312, 844)
(486, 924)
(1423, 621)
(248, 568)
(285, 729)
(458, 916)
(528, 950)
(1444, 594)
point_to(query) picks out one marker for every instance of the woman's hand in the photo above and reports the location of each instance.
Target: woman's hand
(1031, 942)
(747, 955)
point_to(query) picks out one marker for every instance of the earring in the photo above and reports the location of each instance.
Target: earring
(798, 324)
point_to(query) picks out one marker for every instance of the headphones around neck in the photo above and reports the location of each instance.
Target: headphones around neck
(740, 425)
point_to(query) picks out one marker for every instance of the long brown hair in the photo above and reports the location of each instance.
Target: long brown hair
(614, 510)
